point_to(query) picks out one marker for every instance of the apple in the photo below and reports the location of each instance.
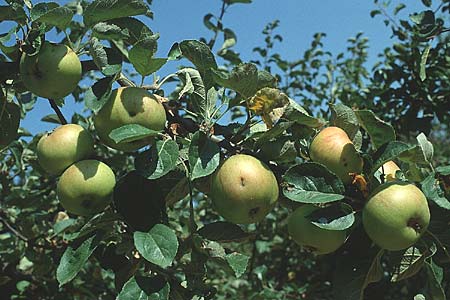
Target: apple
(311, 237)
(389, 169)
(333, 148)
(129, 105)
(86, 187)
(243, 189)
(53, 73)
(64, 146)
(396, 215)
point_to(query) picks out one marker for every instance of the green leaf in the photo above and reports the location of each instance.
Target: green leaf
(334, 217)
(312, 183)
(410, 263)
(426, 17)
(229, 39)
(73, 260)
(159, 246)
(174, 52)
(242, 79)
(375, 272)
(194, 86)
(145, 288)
(265, 79)
(434, 284)
(420, 154)
(51, 118)
(433, 191)
(62, 225)
(295, 112)
(375, 12)
(443, 170)
(107, 60)
(387, 152)
(131, 201)
(107, 31)
(10, 51)
(238, 262)
(51, 13)
(11, 13)
(379, 131)
(350, 276)
(345, 118)
(204, 156)
(98, 94)
(103, 221)
(209, 108)
(141, 56)
(9, 122)
(263, 137)
(103, 10)
(423, 62)
(398, 8)
(224, 232)
(199, 54)
(159, 160)
(135, 29)
(131, 132)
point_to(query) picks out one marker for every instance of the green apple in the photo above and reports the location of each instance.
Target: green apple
(243, 189)
(64, 146)
(396, 215)
(310, 236)
(53, 73)
(129, 105)
(86, 187)
(333, 148)
(389, 169)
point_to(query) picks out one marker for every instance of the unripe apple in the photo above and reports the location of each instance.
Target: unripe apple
(389, 169)
(86, 187)
(64, 146)
(52, 73)
(243, 189)
(396, 215)
(333, 148)
(129, 105)
(310, 236)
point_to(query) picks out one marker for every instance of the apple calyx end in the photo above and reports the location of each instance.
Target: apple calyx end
(415, 224)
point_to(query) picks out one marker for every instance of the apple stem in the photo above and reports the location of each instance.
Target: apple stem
(57, 111)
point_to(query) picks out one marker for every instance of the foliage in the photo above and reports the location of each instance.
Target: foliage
(161, 238)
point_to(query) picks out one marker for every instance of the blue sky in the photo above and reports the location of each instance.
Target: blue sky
(177, 20)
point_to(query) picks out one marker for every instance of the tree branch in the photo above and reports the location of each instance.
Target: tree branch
(57, 111)
(11, 228)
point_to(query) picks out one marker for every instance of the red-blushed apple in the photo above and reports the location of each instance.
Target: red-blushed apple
(64, 146)
(243, 189)
(333, 148)
(389, 169)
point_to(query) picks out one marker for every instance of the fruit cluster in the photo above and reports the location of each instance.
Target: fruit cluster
(243, 189)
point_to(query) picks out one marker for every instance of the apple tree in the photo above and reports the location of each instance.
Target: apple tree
(316, 178)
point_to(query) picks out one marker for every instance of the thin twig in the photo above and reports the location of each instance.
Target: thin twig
(57, 111)
(12, 229)
(219, 21)
(385, 13)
